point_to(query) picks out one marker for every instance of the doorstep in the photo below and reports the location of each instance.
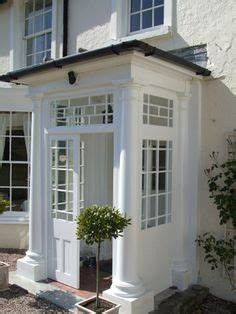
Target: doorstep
(49, 291)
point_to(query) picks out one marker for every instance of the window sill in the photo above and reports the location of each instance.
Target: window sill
(162, 31)
(18, 218)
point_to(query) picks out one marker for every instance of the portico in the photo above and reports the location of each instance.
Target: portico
(136, 110)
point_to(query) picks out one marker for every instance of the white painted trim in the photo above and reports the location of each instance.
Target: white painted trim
(70, 131)
(120, 21)
(9, 218)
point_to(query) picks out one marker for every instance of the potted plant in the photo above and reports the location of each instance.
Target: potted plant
(95, 225)
(4, 267)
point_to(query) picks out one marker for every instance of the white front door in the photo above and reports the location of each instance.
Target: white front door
(66, 190)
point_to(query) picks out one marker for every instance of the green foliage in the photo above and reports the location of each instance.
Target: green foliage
(218, 252)
(96, 224)
(3, 204)
(221, 182)
(99, 223)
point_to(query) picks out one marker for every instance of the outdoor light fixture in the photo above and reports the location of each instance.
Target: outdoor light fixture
(72, 77)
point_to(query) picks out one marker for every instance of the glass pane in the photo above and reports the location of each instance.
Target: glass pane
(39, 58)
(48, 4)
(29, 8)
(61, 197)
(40, 43)
(135, 5)
(144, 160)
(4, 149)
(62, 158)
(30, 46)
(147, 19)
(38, 23)
(98, 99)
(19, 200)
(152, 183)
(146, 4)
(144, 201)
(28, 27)
(19, 175)
(144, 184)
(48, 20)
(162, 182)
(162, 220)
(152, 207)
(161, 205)
(151, 223)
(38, 5)
(4, 174)
(158, 16)
(158, 2)
(18, 149)
(158, 101)
(152, 160)
(162, 160)
(29, 60)
(5, 123)
(18, 120)
(6, 195)
(135, 22)
(62, 179)
(48, 41)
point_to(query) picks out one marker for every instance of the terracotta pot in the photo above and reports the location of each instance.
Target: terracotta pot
(4, 276)
(81, 307)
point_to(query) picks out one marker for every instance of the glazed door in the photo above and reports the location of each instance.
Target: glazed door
(66, 190)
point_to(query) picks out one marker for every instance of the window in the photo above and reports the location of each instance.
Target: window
(145, 14)
(82, 111)
(62, 178)
(38, 30)
(156, 183)
(14, 158)
(157, 111)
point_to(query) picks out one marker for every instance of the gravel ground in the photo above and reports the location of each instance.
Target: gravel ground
(18, 300)
(10, 256)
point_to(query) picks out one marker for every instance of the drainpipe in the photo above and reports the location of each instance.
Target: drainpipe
(65, 27)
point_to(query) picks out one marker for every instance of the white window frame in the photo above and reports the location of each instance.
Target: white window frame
(17, 32)
(44, 32)
(16, 217)
(120, 22)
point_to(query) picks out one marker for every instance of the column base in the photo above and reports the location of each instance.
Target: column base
(181, 276)
(32, 266)
(136, 305)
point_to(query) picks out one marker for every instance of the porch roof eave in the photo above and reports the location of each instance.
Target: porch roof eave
(117, 49)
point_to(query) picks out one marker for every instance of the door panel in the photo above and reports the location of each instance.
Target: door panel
(63, 254)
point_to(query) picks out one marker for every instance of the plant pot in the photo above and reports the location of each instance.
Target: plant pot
(83, 306)
(4, 276)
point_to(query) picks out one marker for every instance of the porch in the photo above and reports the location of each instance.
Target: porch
(135, 111)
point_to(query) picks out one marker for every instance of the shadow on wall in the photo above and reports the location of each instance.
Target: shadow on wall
(218, 119)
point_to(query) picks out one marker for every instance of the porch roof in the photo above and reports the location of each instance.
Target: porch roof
(129, 46)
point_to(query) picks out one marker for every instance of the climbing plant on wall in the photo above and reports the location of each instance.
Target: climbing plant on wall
(221, 178)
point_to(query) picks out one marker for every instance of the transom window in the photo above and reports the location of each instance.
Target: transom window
(38, 30)
(146, 14)
(15, 130)
(157, 111)
(82, 111)
(156, 183)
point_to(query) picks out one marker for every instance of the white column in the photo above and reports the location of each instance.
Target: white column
(126, 284)
(180, 267)
(32, 265)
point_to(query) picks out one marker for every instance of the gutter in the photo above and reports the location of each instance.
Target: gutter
(134, 45)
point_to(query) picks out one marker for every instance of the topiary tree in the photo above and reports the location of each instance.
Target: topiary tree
(97, 224)
(3, 204)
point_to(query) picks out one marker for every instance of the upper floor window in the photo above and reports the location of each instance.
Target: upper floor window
(38, 30)
(146, 14)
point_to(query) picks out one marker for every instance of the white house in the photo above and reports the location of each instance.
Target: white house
(94, 109)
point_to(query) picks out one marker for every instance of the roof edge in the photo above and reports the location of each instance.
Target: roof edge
(134, 45)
